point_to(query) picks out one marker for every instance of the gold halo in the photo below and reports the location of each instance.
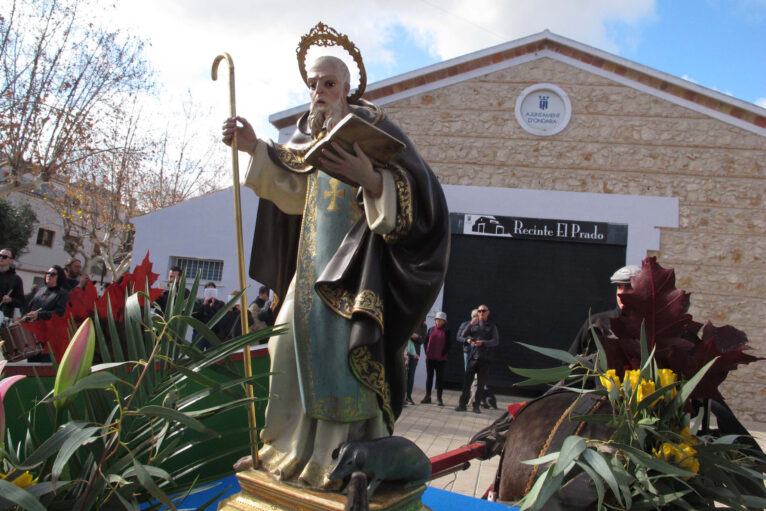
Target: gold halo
(323, 35)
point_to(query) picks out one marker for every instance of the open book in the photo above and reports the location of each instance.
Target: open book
(379, 146)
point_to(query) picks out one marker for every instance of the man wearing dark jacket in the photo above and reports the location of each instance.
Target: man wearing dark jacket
(482, 336)
(174, 280)
(11, 286)
(602, 322)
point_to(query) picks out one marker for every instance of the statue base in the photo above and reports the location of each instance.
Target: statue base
(261, 492)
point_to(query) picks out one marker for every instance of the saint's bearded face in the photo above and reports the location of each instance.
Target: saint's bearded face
(328, 95)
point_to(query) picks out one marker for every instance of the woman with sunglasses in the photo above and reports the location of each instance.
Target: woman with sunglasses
(49, 300)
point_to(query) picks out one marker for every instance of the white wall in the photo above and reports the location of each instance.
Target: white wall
(199, 228)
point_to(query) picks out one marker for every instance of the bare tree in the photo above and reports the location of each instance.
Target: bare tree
(141, 174)
(187, 162)
(98, 199)
(62, 74)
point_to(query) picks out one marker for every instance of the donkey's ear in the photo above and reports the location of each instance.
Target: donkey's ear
(336, 451)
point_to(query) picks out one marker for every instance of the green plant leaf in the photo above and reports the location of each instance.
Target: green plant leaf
(642, 341)
(597, 481)
(147, 482)
(150, 469)
(203, 330)
(100, 339)
(175, 415)
(111, 365)
(551, 485)
(94, 381)
(52, 445)
(688, 387)
(538, 376)
(601, 361)
(551, 456)
(571, 449)
(563, 356)
(68, 448)
(19, 496)
(595, 460)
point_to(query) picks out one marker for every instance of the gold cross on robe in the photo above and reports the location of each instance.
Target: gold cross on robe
(335, 194)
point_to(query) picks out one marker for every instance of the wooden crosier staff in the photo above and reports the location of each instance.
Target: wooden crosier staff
(240, 255)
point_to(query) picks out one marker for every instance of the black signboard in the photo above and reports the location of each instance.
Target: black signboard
(572, 231)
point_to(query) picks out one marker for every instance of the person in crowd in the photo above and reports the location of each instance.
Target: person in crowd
(50, 299)
(266, 315)
(489, 400)
(236, 327)
(174, 280)
(11, 285)
(437, 346)
(257, 306)
(74, 276)
(602, 322)
(412, 355)
(208, 306)
(483, 338)
(460, 339)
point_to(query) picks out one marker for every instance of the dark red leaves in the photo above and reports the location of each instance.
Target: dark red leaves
(672, 332)
(729, 345)
(654, 299)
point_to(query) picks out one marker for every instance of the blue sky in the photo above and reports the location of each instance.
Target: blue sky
(717, 44)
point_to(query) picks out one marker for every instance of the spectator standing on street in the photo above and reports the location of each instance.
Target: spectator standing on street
(483, 338)
(412, 356)
(11, 285)
(437, 346)
(466, 347)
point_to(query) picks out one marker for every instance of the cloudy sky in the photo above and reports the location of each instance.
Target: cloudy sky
(718, 44)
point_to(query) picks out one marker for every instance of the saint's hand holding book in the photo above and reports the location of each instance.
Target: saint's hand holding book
(377, 145)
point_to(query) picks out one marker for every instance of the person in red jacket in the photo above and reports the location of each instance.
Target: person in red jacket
(437, 345)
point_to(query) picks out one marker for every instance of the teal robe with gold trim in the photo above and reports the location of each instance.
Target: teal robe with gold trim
(376, 289)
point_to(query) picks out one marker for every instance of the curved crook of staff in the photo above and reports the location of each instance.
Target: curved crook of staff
(240, 254)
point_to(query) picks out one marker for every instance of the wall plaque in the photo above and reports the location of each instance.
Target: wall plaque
(543, 109)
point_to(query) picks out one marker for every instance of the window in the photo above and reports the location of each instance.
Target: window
(209, 270)
(45, 237)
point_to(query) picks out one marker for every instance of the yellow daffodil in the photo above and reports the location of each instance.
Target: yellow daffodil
(683, 457)
(610, 380)
(633, 377)
(23, 480)
(645, 389)
(693, 440)
(666, 378)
